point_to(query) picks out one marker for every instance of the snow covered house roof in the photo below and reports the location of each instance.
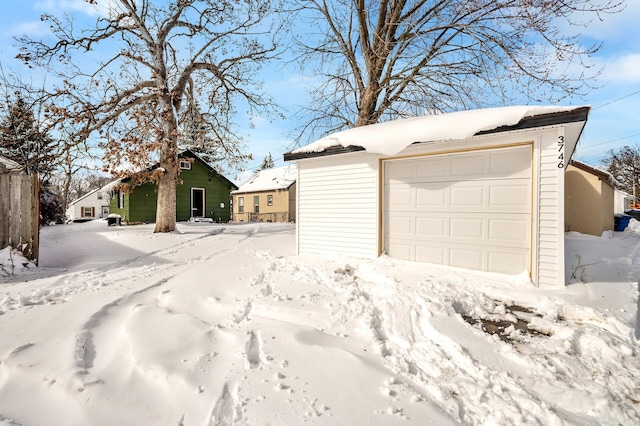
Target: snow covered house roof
(601, 174)
(9, 166)
(71, 203)
(187, 153)
(270, 180)
(389, 138)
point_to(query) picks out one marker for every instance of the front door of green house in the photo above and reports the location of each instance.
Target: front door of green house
(197, 202)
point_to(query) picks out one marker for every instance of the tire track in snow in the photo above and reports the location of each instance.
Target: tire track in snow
(105, 275)
(86, 351)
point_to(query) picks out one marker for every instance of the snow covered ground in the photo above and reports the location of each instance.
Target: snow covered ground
(224, 325)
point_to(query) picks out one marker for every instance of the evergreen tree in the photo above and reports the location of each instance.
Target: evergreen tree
(22, 141)
(51, 209)
(267, 163)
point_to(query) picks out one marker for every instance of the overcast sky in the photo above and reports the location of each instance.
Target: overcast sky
(613, 120)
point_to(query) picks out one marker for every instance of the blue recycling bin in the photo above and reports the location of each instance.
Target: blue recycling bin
(620, 222)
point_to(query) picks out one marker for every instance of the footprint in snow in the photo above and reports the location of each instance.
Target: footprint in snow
(245, 314)
(225, 412)
(253, 349)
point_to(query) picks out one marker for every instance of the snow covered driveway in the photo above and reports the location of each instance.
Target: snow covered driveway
(223, 325)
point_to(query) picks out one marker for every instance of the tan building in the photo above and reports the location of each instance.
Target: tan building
(589, 199)
(269, 196)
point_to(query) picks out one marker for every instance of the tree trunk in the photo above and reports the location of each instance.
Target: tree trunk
(68, 176)
(368, 110)
(166, 208)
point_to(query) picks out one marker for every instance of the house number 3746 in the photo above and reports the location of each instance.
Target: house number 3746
(560, 152)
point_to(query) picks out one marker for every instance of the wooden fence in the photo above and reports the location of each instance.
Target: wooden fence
(20, 213)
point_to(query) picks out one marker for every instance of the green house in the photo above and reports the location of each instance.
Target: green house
(203, 193)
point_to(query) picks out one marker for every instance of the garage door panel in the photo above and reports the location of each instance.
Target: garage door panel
(508, 263)
(431, 227)
(401, 170)
(470, 259)
(510, 163)
(402, 225)
(467, 165)
(467, 228)
(433, 167)
(431, 195)
(400, 196)
(431, 255)
(518, 195)
(401, 251)
(510, 230)
(468, 196)
(469, 210)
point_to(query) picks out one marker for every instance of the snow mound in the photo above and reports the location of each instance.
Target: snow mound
(12, 262)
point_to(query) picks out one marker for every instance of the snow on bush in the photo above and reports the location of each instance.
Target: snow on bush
(12, 262)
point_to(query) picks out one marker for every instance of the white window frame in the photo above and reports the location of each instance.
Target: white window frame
(85, 210)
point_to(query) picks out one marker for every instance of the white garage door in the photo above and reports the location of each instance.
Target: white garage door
(470, 210)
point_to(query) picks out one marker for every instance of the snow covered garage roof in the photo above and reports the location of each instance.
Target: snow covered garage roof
(389, 138)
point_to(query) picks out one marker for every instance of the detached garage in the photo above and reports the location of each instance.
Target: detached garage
(479, 189)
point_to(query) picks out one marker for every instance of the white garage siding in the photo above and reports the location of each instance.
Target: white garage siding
(550, 255)
(470, 210)
(337, 206)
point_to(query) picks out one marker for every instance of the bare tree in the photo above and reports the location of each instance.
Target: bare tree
(624, 164)
(381, 59)
(161, 64)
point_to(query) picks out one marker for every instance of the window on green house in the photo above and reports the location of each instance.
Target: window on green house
(121, 199)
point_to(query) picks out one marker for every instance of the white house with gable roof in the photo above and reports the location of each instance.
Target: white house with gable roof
(92, 205)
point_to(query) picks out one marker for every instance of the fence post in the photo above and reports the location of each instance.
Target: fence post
(34, 236)
(14, 210)
(5, 202)
(20, 213)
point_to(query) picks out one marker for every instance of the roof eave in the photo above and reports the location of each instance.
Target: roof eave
(334, 150)
(543, 120)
